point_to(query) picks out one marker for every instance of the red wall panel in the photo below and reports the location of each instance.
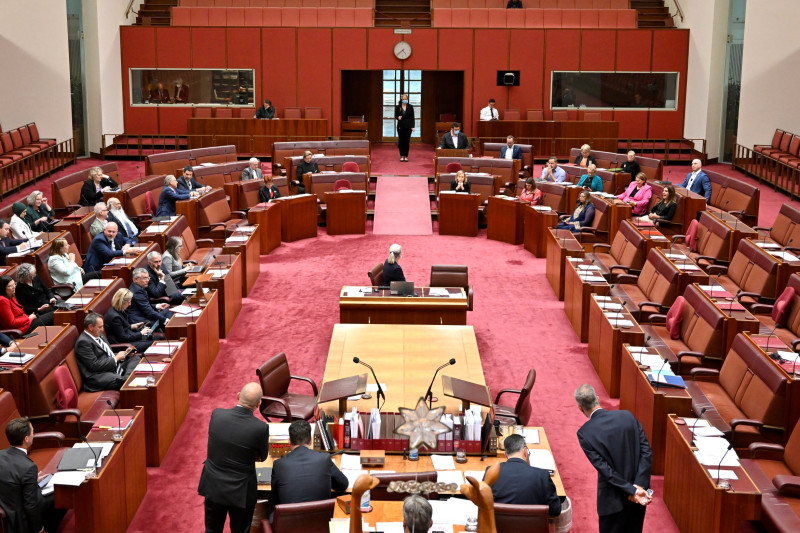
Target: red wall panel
(670, 50)
(561, 52)
(422, 41)
(314, 58)
(665, 125)
(207, 48)
(173, 48)
(380, 55)
(598, 48)
(138, 45)
(527, 56)
(491, 55)
(172, 120)
(141, 120)
(634, 49)
(243, 49)
(279, 68)
(453, 55)
(632, 124)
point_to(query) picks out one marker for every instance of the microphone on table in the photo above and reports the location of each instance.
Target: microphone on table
(151, 379)
(429, 393)
(117, 436)
(711, 292)
(378, 383)
(730, 446)
(658, 374)
(94, 454)
(696, 420)
(766, 349)
(46, 340)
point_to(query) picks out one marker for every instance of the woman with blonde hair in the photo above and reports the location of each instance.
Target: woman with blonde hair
(118, 326)
(391, 268)
(460, 182)
(585, 158)
(63, 268)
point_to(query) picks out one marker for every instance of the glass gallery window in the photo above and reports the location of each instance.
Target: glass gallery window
(614, 90)
(192, 87)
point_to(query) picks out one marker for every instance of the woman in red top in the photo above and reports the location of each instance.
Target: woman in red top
(532, 193)
(12, 316)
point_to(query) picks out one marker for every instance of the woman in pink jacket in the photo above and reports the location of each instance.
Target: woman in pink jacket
(638, 195)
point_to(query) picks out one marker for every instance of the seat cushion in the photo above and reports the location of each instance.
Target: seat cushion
(301, 405)
(783, 305)
(675, 318)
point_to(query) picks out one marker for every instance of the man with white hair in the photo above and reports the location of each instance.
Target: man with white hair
(141, 310)
(697, 181)
(161, 285)
(253, 171)
(127, 228)
(100, 219)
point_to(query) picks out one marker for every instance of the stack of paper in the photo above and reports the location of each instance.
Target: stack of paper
(144, 366)
(218, 273)
(138, 382)
(531, 435)
(98, 282)
(185, 310)
(79, 300)
(15, 358)
(155, 228)
(542, 458)
(610, 305)
(715, 451)
(443, 462)
(437, 291)
(450, 476)
(785, 256)
(762, 244)
(162, 348)
(453, 511)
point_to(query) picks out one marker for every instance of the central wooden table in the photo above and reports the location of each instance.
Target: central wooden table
(268, 217)
(382, 308)
(404, 358)
(202, 333)
(251, 136)
(561, 244)
(537, 221)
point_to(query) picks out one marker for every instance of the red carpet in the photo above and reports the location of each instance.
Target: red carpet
(402, 206)
(386, 160)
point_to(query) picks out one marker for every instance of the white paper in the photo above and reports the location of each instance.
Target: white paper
(105, 447)
(542, 208)
(623, 324)
(350, 462)
(237, 238)
(99, 282)
(155, 228)
(443, 462)
(706, 431)
(352, 476)
(614, 315)
(453, 510)
(245, 229)
(531, 435)
(602, 298)
(436, 291)
(185, 310)
(189, 292)
(279, 430)
(767, 244)
(389, 527)
(450, 476)
(138, 382)
(722, 474)
(711, 288)
(785, 256)
(477, 474)
(542, 458)
(15, 360)
(72, 478)
(792, 357)
(638, 349)
(686, 266)
(588, 267)
(218, 273)
(160, 349)
(612, 306)
(80, 300)
(696, 422)
(575, 259)
(731, 460)
(593, 278)
(144, 366)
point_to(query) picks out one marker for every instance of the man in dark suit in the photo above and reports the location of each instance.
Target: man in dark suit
(236, 441)
(454, 138)
(516, 151)
(181, 92)
(187, 182)
(169, 195)
(7, 244)
(522, 484)
(125, 225)
(161, 283)
(101, 368)
(304, 475)
(141, 310)
(105, 247)
(253, 170)
(615, 444)
(697, 181)
(27, 510)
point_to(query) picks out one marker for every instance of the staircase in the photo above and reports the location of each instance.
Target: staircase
(652, 14)
(402, 13)
(155, 13)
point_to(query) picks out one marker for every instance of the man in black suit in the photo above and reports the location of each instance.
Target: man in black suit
(27, 510)
(101, 368)
(304, 475)
(615, 444)
(7, 244)
(454, 138)
(522, 484)
(126, 227)
(236, 441)
(105, 247)
(187, 182)
(161, 284)
(141, 310)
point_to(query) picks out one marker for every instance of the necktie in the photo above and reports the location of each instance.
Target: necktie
(493, 115)
(107, 349)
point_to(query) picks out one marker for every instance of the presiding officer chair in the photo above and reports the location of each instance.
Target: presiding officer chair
(521, 412)
(306, 517)
(277, 401)
(452, 276)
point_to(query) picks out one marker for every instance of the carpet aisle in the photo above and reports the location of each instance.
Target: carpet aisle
(402, 206)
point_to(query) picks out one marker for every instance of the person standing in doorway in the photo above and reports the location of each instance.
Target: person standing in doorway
(404, 112)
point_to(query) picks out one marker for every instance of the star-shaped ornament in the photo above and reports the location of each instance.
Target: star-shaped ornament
(422, 425)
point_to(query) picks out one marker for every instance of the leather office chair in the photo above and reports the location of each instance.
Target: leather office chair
(342, 185)
(292, 112)
(306, 517)
(452, 167)
(350, 166)
(521, 412)
(380, 493)
(277, 401)
(511, 114)
(452, 276)
(376, 275)
(510, 518)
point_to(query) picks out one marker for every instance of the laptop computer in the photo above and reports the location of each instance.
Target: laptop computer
(401, 288)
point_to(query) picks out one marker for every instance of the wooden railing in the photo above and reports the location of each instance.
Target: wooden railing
(28, 169)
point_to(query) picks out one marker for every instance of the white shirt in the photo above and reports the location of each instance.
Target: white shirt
(509, 152)
(487, 113)
(691, 180)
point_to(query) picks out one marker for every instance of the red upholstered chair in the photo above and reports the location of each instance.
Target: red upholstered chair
(521, 412)
(201, 112)
(149, 203)
(376, 275)
(511, 114)
(292, 112)
(313, 112)
(560, 115)
(350, 166)
(277, 401)
(510, 518)
(452, 167)
(223, 112)
(66, 390)
(307, 517)
(592, 116)
(342, 184)
(535, 114)
(452, 276)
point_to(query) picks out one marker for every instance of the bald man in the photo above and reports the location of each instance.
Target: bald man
(236, 441)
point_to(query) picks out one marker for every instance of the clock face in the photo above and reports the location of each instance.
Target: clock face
(402, 50)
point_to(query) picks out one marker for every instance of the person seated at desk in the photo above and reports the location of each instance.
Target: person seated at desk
(181, 92)
(100, 367)
(553, 172)
(591, 180)
(489, 112)
(306, 166)
(391, 268)
(19, 226)
(582, 215)
(127, 227)
(100, 219)
(532, 193)
(169, 195)
(460, 182)
(454, 139)
(119, 328)
(697, 181)
(63, 268)
(240, 98)
(188, 182)
(510, 150)
(7, 244)
(269, 191)
(266, 111)
(12, 315)
(141, 310)
(253, 170)
(159, 95)
(26, 508)
(161, 285)
(585, 158)
(664, 210)
(520, 483)
(105, 247)
(39, 214)
(8, 344)
(304, 475)
(417, 514)
(171, 261)
(637, 195)
(32, 293)
(631, 166)
(94, 187)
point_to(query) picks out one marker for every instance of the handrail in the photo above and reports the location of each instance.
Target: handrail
(680, 11)
(130, 8)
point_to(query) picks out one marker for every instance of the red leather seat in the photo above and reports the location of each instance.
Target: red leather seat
(277, 401)
(307, 517)
(520, 413)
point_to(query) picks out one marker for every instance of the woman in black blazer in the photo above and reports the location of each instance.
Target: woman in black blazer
(585, 158)
(92, 190)
(118, 326)
(269, 191)
(405, 125)
(460, 183)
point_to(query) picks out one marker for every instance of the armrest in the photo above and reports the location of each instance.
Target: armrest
(762, 228)
(122, 346)
(217, 225)
(766, 450)
(740, 212)
(60, 415)
(239, 214)
(204, 241)
(658, 306)
(48, 439)
(13, 333)
(592, 231)
(658, 318)
(160, 300)
(309, 381)
(716, 269)
(761, 309)
(600, 245)
(744, 422)
(688, 353)
(787, 485)
(280, 401)
(675, 238)
(504, 391)
(627, 279)
(754, 295)
(621, 267)
(704, 373)
(712, 260)
(795, 343)
(294, 183)
(793, 249)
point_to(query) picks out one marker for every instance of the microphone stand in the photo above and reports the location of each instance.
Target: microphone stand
(151, 379)
(766, 349)
(658, 374)
(378, 383)
(117, 436)
(720, 484)
(696, 420)
(429, 393)
(93, 473)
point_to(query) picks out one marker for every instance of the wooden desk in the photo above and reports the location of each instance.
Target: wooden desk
(577, 294)
(165, 404)
(245, 241)
(616, 213)
(122, 267)
(655, 239)
(160, 236)
(561, 244)
(108, 502)
(737, 318)
(606, 338)
(649, 405)
(96, 296)
(401, 357)
(690, 272)
(458, 213)
(739, 230)
(506, 220)
(191, 210)
(693, 203)
(298, 217)
(268, 218)
(202, 336)
(227, 280)
(692, 495)
(382, 308)
(252, 136)
(346, 212)
(72, 224)
(536, 221)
